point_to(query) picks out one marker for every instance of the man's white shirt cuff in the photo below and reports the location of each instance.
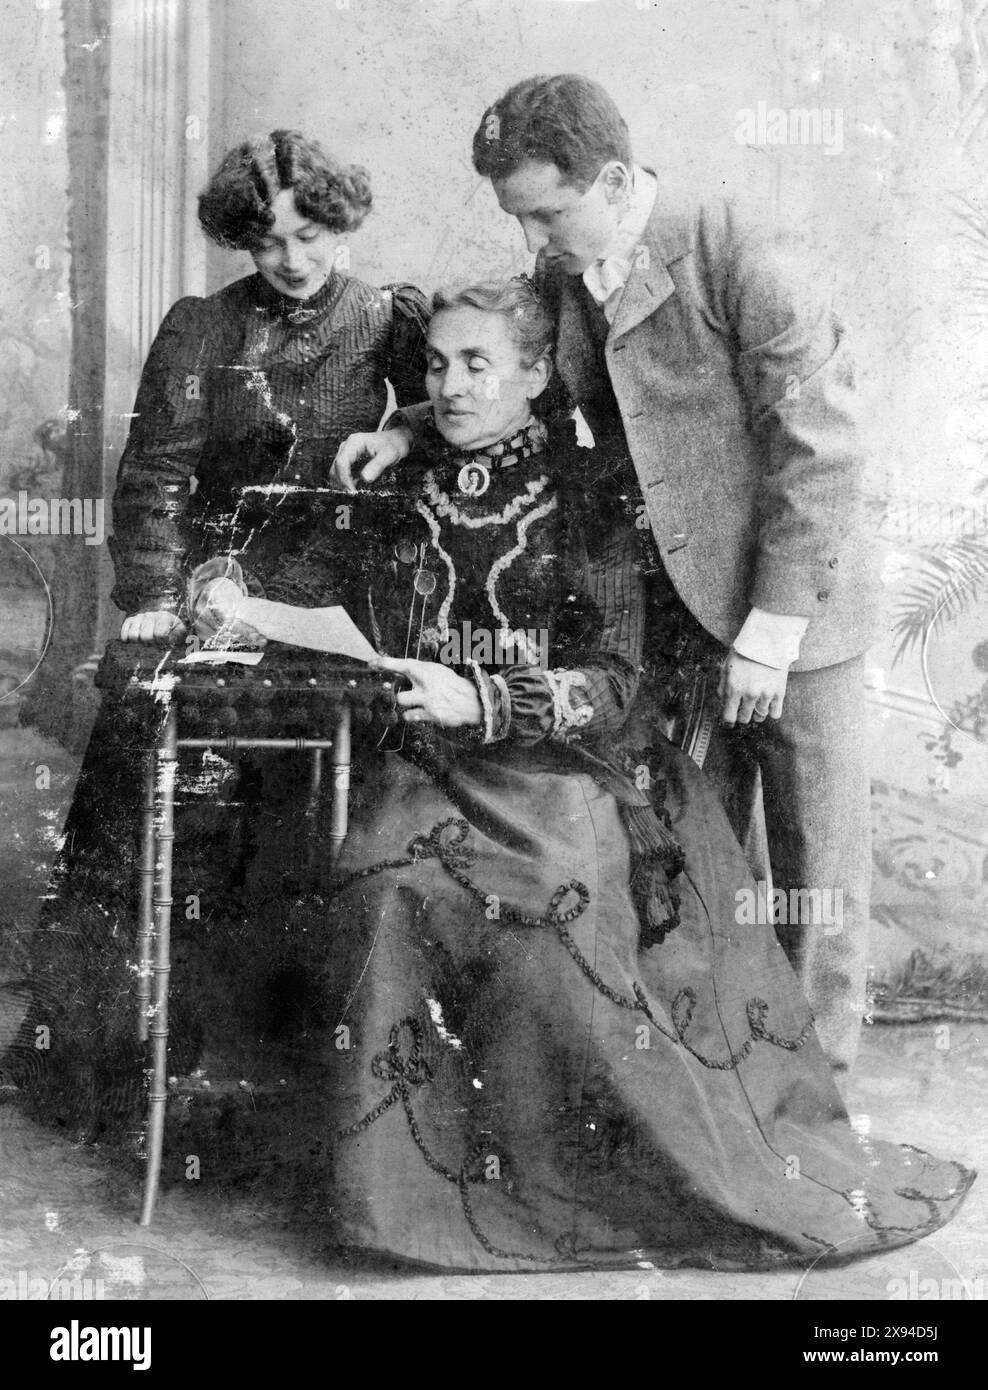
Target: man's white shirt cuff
(771, 638)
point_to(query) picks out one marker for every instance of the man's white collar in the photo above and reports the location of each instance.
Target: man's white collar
(606, 277)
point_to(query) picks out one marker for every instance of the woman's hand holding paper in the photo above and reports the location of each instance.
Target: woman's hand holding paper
(215, 613)
(438, 695)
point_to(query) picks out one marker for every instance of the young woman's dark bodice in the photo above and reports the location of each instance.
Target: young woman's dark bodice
(251, 394)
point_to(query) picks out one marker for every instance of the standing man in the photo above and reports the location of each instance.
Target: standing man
(703, 345)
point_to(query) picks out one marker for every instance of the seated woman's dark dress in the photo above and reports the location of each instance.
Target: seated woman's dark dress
(533, 1058)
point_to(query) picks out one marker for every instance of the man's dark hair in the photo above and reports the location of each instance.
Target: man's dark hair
(567, 121)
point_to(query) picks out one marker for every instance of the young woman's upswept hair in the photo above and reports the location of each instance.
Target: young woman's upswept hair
(235, 209)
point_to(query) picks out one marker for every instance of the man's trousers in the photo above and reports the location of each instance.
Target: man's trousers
(816, 790)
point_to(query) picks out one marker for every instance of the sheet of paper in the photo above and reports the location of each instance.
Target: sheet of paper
(205, 657)
(318, 629)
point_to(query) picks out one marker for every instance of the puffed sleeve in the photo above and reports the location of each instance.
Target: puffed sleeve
(591, 695)
(167, 438)
(409, 325)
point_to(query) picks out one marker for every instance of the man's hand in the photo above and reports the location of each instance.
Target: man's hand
(751, 691)
(378, 452)
(153, 626)
(438, 695)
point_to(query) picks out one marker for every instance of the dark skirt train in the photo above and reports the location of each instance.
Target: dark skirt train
(522, 1085)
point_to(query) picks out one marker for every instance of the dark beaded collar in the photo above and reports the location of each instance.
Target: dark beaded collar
(530, 441)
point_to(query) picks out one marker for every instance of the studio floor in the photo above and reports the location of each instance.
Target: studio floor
(68, 1213)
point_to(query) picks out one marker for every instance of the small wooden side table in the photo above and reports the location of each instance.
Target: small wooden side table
(221, 706)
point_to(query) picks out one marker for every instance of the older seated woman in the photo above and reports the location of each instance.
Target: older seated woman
(555, 1045)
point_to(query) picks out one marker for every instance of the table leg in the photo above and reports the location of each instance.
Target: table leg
(341, 784)
(145, 907)
(312, 810)
(158, 1027)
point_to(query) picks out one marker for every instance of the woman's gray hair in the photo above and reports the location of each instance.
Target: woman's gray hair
(517, 302)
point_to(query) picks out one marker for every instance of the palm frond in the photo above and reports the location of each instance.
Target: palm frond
(950, 578)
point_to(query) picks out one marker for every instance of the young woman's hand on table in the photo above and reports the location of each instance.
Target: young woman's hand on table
(156, 625)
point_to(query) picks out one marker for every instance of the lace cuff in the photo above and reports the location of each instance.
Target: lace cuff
(571, 705)
(495, 702)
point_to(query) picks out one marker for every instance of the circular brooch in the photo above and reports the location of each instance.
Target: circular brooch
(473, 479)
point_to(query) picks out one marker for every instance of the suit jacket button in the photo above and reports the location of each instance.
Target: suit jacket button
(823, 595)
